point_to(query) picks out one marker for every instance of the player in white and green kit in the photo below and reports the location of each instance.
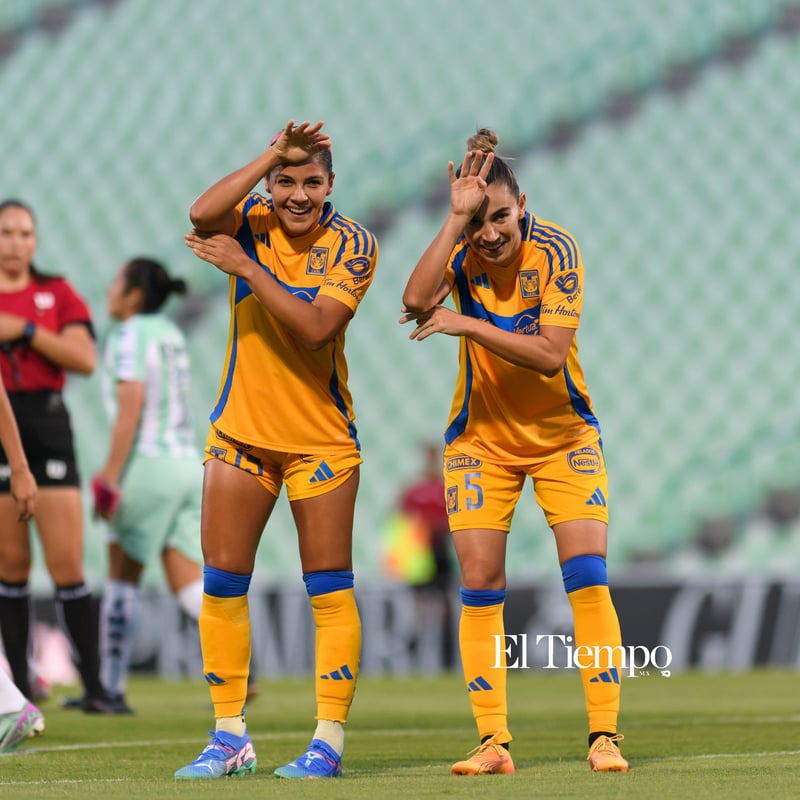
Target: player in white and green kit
(150, 486)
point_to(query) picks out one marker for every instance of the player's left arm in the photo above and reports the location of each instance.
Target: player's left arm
(312, 324)
(545, 352)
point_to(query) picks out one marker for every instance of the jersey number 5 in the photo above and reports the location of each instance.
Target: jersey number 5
(473, 490)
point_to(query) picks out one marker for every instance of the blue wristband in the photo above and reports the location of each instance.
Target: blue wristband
(28, 333)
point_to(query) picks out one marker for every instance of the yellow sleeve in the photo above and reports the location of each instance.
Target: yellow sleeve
(562, 298)
(351, 276)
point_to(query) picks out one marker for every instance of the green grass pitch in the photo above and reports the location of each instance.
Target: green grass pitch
(687, 736)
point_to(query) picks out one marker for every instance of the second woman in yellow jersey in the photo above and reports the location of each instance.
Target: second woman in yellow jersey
(520, 409)
(298, 270)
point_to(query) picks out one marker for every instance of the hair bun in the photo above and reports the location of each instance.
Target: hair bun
(485, 140)
(178, 285)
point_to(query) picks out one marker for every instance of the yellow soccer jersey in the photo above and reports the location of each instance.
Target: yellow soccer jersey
(275, 393)
(502, 411)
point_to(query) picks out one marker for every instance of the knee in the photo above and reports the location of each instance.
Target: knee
(15, 566)
(65, 571)
(478, 574)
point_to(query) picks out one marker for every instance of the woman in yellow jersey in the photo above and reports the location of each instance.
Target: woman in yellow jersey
(298, 270)
(520, 409)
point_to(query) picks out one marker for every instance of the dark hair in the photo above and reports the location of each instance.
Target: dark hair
(324, 157)
(321, 157)
(156, 285)
(486, 140)
(12, 202)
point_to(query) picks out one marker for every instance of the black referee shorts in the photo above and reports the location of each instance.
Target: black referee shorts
(46, 433)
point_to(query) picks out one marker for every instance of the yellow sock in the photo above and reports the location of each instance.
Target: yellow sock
(337, 651)
(479, 626)
(225, 639)
(597, 627)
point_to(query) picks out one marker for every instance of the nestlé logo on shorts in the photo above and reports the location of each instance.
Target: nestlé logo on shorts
(586, 461)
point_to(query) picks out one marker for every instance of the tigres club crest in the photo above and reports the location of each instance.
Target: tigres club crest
(451, 499)
(317, 261)
(529, 282)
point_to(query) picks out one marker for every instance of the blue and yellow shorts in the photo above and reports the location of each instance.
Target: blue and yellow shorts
(568, 485)
(304, 475)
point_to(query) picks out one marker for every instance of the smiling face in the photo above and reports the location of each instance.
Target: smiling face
(494, 231)
(298, 193)
(17, 241)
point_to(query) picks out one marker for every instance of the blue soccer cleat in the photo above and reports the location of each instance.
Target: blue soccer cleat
(226, 754)
(319, 761)
(17, 726)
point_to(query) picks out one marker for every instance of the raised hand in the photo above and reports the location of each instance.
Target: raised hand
(437, 320)
(296, 143)
(221, 250)
(468, 189)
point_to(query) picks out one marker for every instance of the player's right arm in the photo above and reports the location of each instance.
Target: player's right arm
(212, 212)
(427, 286)
(130, 404)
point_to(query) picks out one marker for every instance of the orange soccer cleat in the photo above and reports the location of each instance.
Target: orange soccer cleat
(489, 758)
(604, 755)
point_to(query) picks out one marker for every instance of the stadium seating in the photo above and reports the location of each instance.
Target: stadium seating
(683, 211)
(19, 15)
